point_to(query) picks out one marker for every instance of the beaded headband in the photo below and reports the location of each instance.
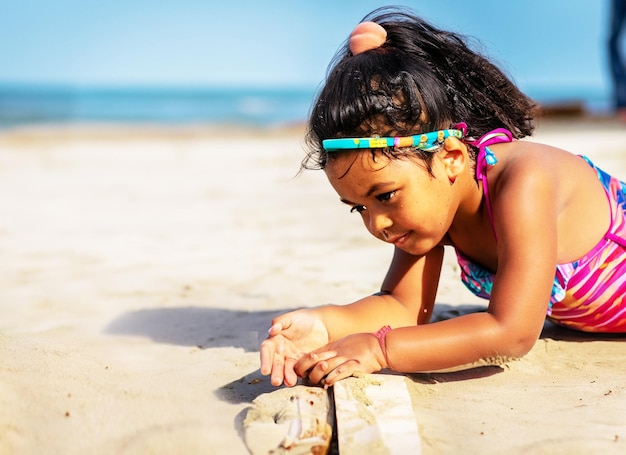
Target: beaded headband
(428, 142)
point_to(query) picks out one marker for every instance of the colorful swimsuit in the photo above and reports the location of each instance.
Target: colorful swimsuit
(587, 294)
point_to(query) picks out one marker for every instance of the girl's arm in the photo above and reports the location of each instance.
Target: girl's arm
(407, 298)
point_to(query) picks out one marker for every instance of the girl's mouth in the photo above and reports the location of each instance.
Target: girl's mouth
(399, 241)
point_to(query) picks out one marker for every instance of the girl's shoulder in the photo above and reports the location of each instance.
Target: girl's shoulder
(541, 182)
(527, 150)
(523, 157)
(525, 167)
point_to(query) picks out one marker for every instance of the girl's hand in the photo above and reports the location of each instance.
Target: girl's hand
(342, 358)
(290, 336)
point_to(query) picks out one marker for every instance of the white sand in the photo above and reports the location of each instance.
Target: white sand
(140, 268)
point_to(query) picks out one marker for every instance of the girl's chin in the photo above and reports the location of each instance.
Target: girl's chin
(414, 251)
(417, 248)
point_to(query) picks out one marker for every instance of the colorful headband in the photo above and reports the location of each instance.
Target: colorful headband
(428, 142)
(367, 36)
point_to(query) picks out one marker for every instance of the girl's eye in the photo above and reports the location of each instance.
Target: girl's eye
(357, 208)
(385, 197)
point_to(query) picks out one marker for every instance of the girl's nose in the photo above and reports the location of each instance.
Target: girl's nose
(379, 224)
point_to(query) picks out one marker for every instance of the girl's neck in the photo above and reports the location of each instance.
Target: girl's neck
(471, 231)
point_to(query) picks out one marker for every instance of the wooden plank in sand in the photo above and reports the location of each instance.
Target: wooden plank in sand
(293, 421)
(374, 415)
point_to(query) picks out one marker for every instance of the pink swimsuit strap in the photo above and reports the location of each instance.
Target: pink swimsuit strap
(486, 159)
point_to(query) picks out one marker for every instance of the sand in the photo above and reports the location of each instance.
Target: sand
(141, 267)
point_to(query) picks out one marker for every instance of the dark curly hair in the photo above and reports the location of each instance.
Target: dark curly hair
(421, 79)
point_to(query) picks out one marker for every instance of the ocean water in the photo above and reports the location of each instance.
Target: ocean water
(35, 105)
(20, 105)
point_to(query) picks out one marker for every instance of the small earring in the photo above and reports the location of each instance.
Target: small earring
(385, 235)
(452, 180)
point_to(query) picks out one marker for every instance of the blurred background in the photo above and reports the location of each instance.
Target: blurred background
(260, 63)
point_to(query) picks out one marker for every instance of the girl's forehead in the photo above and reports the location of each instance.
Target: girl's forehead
(349, 164)
(367, 165)
(356, 161)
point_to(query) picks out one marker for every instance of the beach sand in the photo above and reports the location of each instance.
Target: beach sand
(141, 267)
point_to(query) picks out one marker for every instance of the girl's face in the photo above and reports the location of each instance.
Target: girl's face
(398, 200)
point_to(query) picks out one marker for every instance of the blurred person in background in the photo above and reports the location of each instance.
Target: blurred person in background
(618, 66)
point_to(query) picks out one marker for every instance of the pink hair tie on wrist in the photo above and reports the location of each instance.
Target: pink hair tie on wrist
(382, 335)
(367, 36)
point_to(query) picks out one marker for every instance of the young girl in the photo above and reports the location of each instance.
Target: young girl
(418, 135)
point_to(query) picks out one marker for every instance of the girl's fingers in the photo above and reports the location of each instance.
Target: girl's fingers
(272, 359)
(278, 367)
(324, 367)
(305, 363)
(308, 361)
(319, 372)
(275, 329)
(289, 375)
(267, 356)
(274, 362)
(344, 370)
(279, 324)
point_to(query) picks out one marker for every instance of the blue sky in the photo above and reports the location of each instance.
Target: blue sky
(278, 42)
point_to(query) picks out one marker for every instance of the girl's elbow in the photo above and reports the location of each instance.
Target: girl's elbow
(515, 338)
(517, 345)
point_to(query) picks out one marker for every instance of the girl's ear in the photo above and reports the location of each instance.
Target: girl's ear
(455, 157)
